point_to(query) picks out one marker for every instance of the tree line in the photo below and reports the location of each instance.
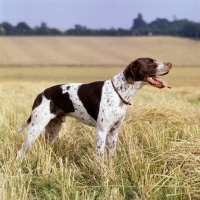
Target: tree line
(159, 26)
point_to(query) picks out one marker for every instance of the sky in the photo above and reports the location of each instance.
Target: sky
(95, 14)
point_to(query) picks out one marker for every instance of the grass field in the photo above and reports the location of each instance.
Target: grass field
(186, 76)
(158, 151)
(86, 51)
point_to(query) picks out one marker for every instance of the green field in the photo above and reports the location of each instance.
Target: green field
(158, 151)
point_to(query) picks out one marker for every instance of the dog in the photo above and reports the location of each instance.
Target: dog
(101, 104)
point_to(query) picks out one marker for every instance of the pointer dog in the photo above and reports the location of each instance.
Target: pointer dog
(101, 104)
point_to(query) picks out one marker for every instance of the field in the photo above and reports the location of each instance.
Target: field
(37, 51)
(158, 151)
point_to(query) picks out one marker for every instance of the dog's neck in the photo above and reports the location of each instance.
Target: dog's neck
(125, 89)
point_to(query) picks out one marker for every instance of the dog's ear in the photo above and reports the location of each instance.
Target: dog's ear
(129, 72)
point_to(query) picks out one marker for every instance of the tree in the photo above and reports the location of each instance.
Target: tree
(160, 23)
(191, 29)
(22, 29)
(138, 22)
(43, 25)
(43, 30)
(8, 28)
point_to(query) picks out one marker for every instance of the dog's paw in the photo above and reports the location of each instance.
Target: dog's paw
(19, 155)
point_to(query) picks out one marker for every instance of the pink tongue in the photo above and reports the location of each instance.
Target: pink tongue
(164, 83)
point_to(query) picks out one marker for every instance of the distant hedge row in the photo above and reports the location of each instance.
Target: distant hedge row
(183, 28)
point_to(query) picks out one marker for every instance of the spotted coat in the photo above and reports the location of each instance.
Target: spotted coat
(101, 104)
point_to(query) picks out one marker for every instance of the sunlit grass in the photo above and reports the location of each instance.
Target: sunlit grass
(45, 51)
(158, 151)
(179, 76)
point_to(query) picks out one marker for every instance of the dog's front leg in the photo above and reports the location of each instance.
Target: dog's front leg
(100, 142)
(111, 140)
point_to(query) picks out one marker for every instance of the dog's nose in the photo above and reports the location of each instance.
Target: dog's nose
(169, 64)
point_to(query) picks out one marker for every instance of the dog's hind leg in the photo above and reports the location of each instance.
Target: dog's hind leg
(40, 117)
(52, 129)
(33, 133)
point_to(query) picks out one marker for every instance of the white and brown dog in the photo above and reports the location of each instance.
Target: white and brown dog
(101, 104)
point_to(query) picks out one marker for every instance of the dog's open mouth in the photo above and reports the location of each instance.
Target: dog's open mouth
(157, 82)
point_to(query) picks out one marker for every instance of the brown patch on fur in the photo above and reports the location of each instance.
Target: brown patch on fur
(90, 96)
(60, 103)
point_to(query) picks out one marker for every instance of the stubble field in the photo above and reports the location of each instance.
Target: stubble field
(158, 151)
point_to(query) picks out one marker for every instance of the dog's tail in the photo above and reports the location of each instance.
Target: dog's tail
(25, 125)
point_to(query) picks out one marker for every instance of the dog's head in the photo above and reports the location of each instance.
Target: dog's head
(147, 70)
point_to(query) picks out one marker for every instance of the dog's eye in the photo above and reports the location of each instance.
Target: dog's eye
(152, 64)
(152, 61)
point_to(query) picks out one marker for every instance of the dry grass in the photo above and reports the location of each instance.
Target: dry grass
(158, 152)
(183, 77)
(96, 50)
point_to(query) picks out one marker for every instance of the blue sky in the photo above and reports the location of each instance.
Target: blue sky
(64, 14)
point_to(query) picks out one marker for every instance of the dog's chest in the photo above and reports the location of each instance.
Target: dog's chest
(111, 107)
